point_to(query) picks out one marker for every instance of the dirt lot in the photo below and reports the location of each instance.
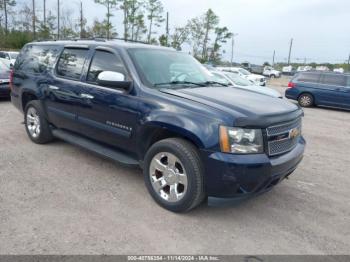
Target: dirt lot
(59, 199)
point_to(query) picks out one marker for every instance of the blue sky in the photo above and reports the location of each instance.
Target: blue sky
(320, 28)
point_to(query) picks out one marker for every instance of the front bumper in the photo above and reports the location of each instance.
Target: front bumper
(236, 176)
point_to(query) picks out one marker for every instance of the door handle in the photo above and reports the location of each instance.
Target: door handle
(54, 87)
(87, 96)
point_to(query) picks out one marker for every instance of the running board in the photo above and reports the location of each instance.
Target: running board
(97, 148)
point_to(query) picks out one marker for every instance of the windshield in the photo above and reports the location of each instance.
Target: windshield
(244, 72)
(220, 78)
(240, 81)
(167, 68)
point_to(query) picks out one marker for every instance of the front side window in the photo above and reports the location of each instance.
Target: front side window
(334, 80)
(159, 68)
(71, 63)
(104, 61)
(238, 80)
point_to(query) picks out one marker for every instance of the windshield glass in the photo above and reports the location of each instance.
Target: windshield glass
(240, 81)
(164, 67)
(244, 72)
(220, 78)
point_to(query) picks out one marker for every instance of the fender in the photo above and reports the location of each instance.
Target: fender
(201, 131)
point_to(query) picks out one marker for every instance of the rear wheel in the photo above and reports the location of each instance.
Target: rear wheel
(36, 125)
(306, 100)
(174, 175)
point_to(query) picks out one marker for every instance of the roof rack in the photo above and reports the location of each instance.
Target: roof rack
(99, 39)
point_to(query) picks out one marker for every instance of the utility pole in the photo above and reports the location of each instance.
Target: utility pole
(273, 57)
(167, 28)
(81, 19)
(58, 19)
(33, 20)
(290, 50)
(45, 12)
(232, 47)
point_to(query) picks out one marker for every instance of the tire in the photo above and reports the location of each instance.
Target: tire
(272, 76)
(167, 163)
(37, 127)
(306, 100)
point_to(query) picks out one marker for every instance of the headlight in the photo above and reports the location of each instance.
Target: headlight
(241, 141)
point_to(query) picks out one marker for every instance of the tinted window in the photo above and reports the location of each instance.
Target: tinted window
(4, 55)
(37, 59)
(71, 63)
(334, 80)
(104, 61)
(309, 77)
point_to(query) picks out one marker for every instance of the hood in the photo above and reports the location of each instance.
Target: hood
(248, 108)
(262, 90)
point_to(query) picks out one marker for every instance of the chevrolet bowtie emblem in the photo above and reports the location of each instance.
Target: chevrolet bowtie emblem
(294, 133)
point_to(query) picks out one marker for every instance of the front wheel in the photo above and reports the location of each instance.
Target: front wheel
(173, 175)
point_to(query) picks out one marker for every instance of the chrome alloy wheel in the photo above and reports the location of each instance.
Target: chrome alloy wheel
(168, 177)
(33, 122)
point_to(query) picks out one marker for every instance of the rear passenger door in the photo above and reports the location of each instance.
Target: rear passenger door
(63, 95)
(335, 93)
(109, 115)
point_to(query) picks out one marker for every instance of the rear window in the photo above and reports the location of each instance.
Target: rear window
(308, 77)
(37, 59)
(71, 63)
(334, 80)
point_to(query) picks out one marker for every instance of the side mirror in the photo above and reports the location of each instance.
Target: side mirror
(113, 80)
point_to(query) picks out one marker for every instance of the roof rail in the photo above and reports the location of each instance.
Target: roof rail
(100, 39)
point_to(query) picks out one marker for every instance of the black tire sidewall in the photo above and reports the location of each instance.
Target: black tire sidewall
(186, 202)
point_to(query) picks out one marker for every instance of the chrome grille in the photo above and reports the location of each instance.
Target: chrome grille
(280, 138)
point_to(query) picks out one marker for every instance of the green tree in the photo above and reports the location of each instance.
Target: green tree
(222, 35)
(155, 12)
(197, 34)
(47, 28)
(210, 22)
(5, 7)
(110, 5)
(180, 36)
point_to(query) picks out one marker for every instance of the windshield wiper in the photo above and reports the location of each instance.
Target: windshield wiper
(213, 83)
(179, 83)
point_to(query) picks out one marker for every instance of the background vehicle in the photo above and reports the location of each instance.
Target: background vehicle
(4, 77)
(239, 82)
(255, 69)
(288, 70)
(271, 72)
(257, 79)
(320, 88)
(161, 110)
(304, 68)
(9, 55)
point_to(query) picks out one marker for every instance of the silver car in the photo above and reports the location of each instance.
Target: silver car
(236, 80)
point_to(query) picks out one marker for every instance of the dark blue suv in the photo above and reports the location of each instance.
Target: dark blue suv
(320, 89)
(161, 110)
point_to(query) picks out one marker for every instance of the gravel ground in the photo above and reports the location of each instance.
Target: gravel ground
(60, 199)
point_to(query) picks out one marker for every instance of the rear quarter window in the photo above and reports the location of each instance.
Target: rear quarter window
(37, 59)
(308, 77)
